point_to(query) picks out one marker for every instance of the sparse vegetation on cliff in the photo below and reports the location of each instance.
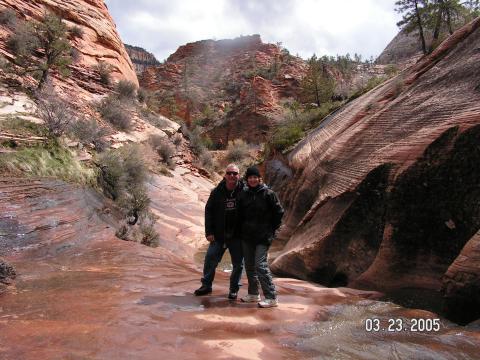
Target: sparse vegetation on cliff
(296, 123)
(163, 148)
(126, 90)
(88, 131)
(54, 111)
(318, 84)
(116, 113)
(104, 70)
(41, 47)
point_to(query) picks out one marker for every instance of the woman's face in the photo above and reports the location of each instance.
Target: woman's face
(253, 181)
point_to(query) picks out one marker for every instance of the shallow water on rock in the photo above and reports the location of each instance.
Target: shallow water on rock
(83, 294)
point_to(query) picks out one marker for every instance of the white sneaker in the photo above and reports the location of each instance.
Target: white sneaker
(251, 298)
(268, 303)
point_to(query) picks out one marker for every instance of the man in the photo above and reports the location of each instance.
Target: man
(220, 226)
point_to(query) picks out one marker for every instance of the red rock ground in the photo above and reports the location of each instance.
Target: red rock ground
(82, 293)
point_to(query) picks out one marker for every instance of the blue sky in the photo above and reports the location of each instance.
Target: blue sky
(304, 27)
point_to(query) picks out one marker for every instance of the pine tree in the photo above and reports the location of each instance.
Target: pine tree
(317, 85)
(41, 47)
(412, 11)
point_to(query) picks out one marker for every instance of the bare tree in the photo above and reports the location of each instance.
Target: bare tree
(54, 111)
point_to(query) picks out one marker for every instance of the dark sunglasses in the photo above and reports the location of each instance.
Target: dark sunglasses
(232, 173)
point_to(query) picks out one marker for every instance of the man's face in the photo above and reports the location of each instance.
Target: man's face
(231, 175)
(253, 181)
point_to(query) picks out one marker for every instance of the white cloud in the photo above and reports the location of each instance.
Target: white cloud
(303, 26)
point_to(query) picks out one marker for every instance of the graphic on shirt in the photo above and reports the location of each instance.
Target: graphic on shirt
(230, 204)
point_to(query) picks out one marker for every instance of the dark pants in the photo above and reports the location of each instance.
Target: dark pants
(256, 267)
(213, 256)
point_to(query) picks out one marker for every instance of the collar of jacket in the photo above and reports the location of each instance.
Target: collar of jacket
(260, 187)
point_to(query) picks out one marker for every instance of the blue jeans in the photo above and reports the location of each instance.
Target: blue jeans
(256, 267)
(213, 256)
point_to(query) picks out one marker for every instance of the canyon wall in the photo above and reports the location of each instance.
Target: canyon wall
(384, 193)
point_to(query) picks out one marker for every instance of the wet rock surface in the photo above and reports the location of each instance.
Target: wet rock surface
(82, 293)
(384, 193)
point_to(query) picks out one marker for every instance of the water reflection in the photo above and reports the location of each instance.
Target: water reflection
(342, 334)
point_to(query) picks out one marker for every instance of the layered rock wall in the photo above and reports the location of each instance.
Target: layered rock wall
(100, 40)
(384, 193)
(140, 58)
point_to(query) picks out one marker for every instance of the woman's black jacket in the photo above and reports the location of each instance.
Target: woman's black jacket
(259, 214)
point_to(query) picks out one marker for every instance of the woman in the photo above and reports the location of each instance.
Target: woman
(260, 215)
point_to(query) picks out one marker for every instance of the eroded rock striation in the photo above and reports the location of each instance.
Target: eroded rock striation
(100, 40)
(384, 193)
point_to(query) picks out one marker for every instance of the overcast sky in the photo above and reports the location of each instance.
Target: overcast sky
(304, 27)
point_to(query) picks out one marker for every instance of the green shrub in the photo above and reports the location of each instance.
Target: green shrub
(286, 135)
(196, 141)
(208, 143)
(126, 89)
(8, 17)
(77, 32)
(113, 111)
(391, 70)
(177, 139)
(104, 70)
(149, 236)
(206, 160)
(163, 148)
(41, 47)
(111, 177)
(142, 95)
(23, 41)
(89, 132)
(143, 233)
(121, 170)
(134, 202)
(237, 151)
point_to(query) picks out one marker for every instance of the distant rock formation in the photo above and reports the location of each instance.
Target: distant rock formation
(236, 85)
(384, 193)
(404, 48)
(141, 58)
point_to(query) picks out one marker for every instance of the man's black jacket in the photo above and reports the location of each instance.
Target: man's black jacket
(215, 212)
(259, 214)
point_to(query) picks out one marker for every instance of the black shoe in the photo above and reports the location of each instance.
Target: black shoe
(232, 295)
(203, 290)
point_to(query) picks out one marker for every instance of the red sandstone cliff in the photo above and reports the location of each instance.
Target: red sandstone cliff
(241, 83)
(140, 58)
(100, 41)
(384, 193)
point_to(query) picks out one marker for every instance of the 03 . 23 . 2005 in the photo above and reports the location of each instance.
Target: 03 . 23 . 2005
(402, 324)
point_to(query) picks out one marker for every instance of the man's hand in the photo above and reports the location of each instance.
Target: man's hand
(210, 238)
